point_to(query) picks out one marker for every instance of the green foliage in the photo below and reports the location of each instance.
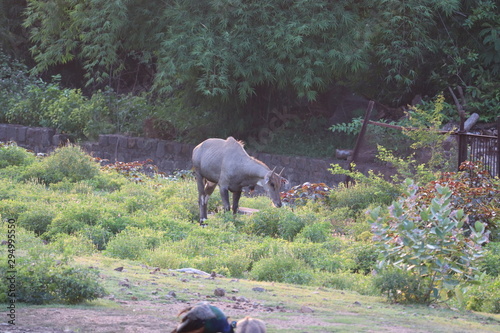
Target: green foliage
(43, 276)
(68, 162)
(354, 127)
(11, 154)
(368, 189)
(133, 242)
(280, 223)
(474, 191)
(281, 268)
(37, 220)
(429, 241)
(400, 286)
(489, 264)
(484, 297)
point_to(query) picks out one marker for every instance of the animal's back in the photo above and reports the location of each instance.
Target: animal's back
(209, 157)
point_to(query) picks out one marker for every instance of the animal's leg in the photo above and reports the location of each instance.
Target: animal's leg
(208, 189)
(224, 194)
(202, 198)
(236, 200)
(205, 189)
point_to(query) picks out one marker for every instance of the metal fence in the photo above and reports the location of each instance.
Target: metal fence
(483, 148)
(471, 147)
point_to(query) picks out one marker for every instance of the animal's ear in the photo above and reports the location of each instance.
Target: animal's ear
(268, 177)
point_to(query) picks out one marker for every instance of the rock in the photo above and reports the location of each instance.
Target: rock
(219, 292)
(119, 269)
(259, 289)
(306, 309)
(124, 284)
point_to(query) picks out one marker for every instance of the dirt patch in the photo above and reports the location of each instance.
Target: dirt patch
(140, 316)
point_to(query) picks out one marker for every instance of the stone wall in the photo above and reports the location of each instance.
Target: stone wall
(167, 155)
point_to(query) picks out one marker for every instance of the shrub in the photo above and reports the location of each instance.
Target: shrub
(317, 256)
(474, 191)
(68, 162)
(490, 263)
(280, 268)
(317, 233)
(368, 190)
(164, 257)
(133, 242)
(484, 297)
(276, 223)
(428, 241)
(400, 286)
(97, 235)
(11, 154)
(43, 275)
(360, 283)
(74, 217)
(365, 257)
(72, 245)
(43, 281)
(36, 220)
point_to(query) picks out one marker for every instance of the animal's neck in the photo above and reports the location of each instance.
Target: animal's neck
(257, 168)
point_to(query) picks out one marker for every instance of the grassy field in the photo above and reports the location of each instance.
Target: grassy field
(97, 249)
(139, 300)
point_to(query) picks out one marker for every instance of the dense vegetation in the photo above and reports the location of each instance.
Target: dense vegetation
(234, 67)
(80, 209)
(265, 72)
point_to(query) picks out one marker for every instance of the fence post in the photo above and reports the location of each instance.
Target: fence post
(462, 143)
(498, 146)
(359, 141)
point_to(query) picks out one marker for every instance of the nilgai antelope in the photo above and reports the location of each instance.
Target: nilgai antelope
(225, 162)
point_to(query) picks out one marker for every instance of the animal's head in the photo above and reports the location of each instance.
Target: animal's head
(273, 183)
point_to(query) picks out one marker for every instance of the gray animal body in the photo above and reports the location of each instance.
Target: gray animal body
(250, 325)
(225, 162)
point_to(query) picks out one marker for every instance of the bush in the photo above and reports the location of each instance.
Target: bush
(475, 191)
(400, 286)
(42, 281)
(484, 297)
(43, 275)
(317, 233)
(11, 154)
(132, 243)
(36, 220)
(73, 218)
(68, 162)
(490, 263)
(280, 268)
(72, 245)
(429, 241)
(277, 223)
(360, 283)
(317, 256)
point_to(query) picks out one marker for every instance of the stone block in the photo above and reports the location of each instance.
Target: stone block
(21, 134)
(103, 140)
(161, 149)
(132, 143)
(47, 134)
(3, 132)
(10, 133)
